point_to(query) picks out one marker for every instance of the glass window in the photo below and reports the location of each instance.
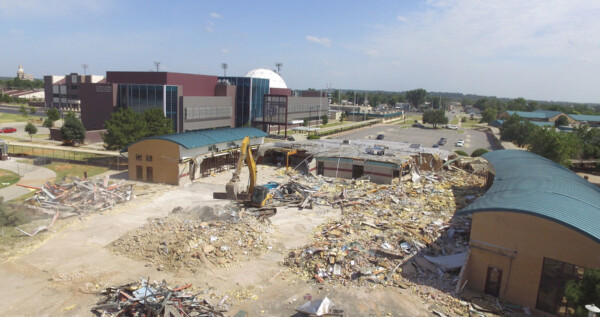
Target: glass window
(551, 291)
(138, 157)
(148, 158)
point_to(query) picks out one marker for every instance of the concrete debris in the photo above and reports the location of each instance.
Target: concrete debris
(323, 307)
(79, 197)
(155, 299)
(196, 238)
(386, 231)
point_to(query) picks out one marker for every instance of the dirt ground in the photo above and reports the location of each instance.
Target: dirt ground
(61, 273)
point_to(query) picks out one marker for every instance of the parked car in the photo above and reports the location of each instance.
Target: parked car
(418, 125)
(415, 146)
(8, 130)
(442, 141)
(380, 137)
(460, 143)
(452, 127)
(436, 146)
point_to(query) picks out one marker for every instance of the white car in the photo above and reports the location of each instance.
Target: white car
(460, 143)
(452, 127)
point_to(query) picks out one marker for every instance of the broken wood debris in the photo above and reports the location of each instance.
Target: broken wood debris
(79, 197)
(155, 300)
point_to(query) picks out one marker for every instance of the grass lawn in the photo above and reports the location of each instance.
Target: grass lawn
(8, 178)
(13, 117)
(470, 123)
(331, 124)
(68, 169)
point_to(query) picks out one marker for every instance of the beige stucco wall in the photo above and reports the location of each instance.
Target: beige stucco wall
(165, 160)
(527, 239)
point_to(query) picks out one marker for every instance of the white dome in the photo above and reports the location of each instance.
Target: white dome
(275, 81)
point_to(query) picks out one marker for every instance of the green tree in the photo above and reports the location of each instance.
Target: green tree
(479, 152)
(32, 110)
(489, 114)
(342, 117)
(48, 123)
(516, 130)
(23, 111)
(559, 147)
(53, 114)
(416, 97)
(123, 128)
(435, 117)
(461, 152)
(586, 291)
(157, 123)
(31, 130)
(72, 130)
(532, 105)
(519, 104)
(325, 119)
(590, 137)
(561, 121)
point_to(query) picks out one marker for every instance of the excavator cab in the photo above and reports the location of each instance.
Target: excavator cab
(261, 196)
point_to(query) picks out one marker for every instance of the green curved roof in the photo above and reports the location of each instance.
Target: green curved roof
(197, 139)
(530, 184)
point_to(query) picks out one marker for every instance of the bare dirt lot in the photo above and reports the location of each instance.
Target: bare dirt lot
(60, 273)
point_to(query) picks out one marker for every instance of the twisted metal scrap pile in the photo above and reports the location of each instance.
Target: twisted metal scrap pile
(80, 196)
(385, 230)
(155, 299)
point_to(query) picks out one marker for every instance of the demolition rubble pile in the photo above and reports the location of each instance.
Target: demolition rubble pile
(80, 196)
(399, 235)
(156, 299)
(197, 238)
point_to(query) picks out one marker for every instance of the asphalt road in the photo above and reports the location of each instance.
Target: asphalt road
(427, 137)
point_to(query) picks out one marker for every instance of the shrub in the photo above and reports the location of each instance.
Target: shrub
(461, 152)
(313, 137)
(463, 119)
(479, 152)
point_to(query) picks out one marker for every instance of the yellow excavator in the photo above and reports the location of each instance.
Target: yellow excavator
(255, 195)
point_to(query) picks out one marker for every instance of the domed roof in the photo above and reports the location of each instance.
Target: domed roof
(275, 81)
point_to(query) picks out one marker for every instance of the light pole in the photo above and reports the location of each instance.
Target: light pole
(224, 66)
(309, 114)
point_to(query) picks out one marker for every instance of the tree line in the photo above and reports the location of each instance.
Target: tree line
(559, 146)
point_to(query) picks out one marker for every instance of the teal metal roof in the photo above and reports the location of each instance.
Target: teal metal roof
(539, 114)
(530, 184)
(543, 123)
(585, 117)
(197, 139)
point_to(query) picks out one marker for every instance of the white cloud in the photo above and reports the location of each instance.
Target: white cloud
(508, 48)
(319, 40)
(209, 29)
(402, 18)
(224, 51)
(215, 15)
(210, 23)
(372, 53)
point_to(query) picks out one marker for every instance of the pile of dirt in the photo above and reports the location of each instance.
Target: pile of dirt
(197, 238)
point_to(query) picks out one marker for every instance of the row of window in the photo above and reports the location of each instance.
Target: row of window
(207, 112)
(138, 157)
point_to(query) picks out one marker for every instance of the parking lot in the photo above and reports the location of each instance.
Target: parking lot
(427, 137)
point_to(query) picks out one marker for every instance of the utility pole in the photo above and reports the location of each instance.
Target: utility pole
(278, 65)
(85, 67)
(157, 65)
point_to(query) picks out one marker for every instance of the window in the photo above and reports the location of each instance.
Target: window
(551, 291)
(148, 158)
(138, 157)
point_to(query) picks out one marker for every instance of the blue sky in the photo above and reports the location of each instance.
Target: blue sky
(536, 49)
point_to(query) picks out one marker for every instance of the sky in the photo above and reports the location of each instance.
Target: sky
(535, 49)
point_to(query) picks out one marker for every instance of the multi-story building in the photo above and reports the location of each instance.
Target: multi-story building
(62, 92)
